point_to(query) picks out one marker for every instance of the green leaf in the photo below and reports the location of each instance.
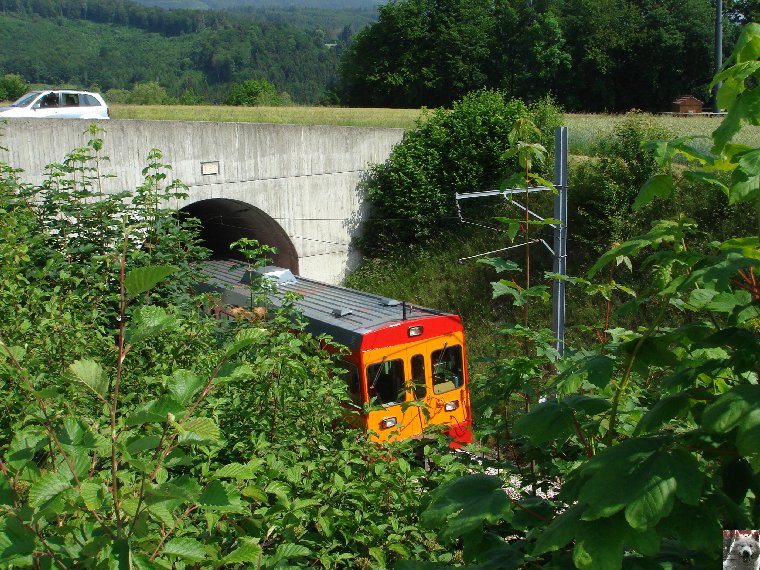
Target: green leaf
(183, 384)
(142, 279)
(730, 409)
(749, 161)
(199, 430)
(16, 541)
(659, 185)
(559, 532)
(600, 369)
(288, 551)
(599, 544)
(218, 496)
(142, 443)
(655, 493)
(155, 411)
(186, 548)
(92, 494)
(48, 486)
(279, 490)
(248, 552)
(500, 264)
(92, 375)
(549, 421)
(663, 411)
(150, 321)
(747, 439)
(235, 471)
(244, 339)
(464, 504)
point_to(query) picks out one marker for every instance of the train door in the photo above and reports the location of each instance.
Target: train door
(390, 376)
(449, 403)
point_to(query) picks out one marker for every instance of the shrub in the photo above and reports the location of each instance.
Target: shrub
(12, 86)
(117, 96)
(139, 432)
(252, 93)
(148, 93)
(449, 151)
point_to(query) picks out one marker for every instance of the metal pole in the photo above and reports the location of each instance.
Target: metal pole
(560, 237)
(718, 49)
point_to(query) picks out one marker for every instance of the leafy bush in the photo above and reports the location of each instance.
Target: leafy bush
(12, 86)
(450, 151)
(643, 448)
(252, 93)
(148, 93)
(117, 96)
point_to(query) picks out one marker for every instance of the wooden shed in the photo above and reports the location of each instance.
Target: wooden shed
(687, 104)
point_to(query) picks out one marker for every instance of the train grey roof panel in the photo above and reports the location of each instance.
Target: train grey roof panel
(345, 314)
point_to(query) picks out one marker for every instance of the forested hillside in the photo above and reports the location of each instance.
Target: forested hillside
(117, 44)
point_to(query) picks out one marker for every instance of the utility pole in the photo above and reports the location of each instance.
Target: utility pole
(559, 251)
(718, 49)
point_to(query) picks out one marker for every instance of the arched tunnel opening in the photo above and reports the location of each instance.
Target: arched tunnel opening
(225, 221)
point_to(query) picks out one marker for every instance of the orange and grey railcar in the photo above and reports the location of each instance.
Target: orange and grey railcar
(399, 353)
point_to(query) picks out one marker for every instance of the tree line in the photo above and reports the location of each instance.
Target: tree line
(600, 55)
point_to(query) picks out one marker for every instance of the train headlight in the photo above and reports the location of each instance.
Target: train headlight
(387, 423)
(415, 331)
(451, 406)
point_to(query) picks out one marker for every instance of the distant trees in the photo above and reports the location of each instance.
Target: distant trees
(591, 54)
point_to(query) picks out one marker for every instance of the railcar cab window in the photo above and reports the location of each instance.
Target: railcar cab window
(447, 369)
(418, 376)
(385, 382)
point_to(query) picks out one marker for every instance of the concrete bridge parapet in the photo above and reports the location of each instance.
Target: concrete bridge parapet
(296, 187)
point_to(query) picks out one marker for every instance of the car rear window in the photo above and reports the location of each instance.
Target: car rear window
(88, 101)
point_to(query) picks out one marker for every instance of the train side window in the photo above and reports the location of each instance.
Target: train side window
(352, 383)
(385, 382)
(418, 376)
(447, 369)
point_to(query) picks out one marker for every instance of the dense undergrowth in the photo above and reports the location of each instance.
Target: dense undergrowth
(635, 448)
(139, 432)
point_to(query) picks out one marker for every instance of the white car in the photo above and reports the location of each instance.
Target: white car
(58, 104)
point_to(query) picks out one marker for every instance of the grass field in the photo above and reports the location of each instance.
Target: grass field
(349, 117)
(584, 130)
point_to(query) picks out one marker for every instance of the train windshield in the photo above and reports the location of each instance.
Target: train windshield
(385, 382)
(447, 369)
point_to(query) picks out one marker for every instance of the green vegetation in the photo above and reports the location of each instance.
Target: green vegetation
(464, 150)
(200, 53)
(140, 432)
(254, 93)
(419, 53)
(350, 117)
(635, 449)
(422, 52)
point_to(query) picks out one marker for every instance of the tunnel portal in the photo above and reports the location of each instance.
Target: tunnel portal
(225, 221)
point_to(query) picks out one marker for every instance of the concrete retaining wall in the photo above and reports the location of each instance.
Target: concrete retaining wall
(304, 177)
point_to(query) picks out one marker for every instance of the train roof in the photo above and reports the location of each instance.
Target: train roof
(345, 314)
